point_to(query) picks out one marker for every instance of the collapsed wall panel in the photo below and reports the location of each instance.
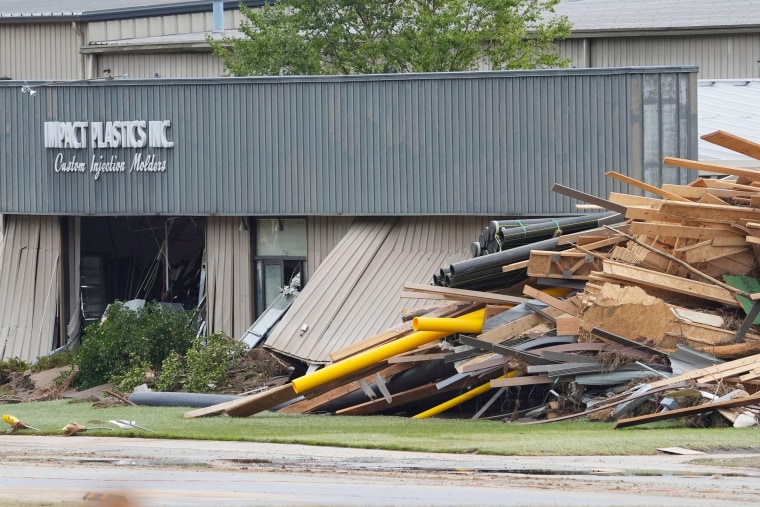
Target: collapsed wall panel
(355, 292)
(228, 264)
(29, 286)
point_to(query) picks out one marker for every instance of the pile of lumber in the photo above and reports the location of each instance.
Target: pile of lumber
(657, 302)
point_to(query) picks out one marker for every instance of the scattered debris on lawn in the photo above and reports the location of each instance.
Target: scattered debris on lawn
(643, 312)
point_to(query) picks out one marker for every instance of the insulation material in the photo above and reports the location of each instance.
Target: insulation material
(29, 286)
(228, 258)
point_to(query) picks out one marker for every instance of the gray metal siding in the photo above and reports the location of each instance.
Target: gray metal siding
(720, 56)
(165, 65)
(487, 143)
(40, 51)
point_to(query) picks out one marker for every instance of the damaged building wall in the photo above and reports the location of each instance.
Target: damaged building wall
(228, 264)
(29, 284)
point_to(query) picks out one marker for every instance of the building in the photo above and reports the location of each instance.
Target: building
(721, 37)
(221, 189)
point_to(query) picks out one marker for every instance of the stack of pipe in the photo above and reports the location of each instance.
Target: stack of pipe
(513, 243)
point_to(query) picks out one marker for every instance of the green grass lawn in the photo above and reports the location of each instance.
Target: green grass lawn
(577, 437)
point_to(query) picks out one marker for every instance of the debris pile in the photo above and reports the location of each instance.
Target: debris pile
(642, 313)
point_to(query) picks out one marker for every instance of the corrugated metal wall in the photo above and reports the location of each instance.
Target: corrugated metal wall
(159, 25)
(355, 293)
(40, 51)
(718, 56)
(483, 143)
(323, 234)
(164, 65)
(29, 275)
(228, 264)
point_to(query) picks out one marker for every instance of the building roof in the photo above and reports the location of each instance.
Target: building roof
(731, 105)
(94, 10)
(354, 294)
(645, 15)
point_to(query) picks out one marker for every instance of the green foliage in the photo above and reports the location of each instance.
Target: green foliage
(127, 339)
(172, 371)
(63, 358)
(132, 377)
(209, 360)
(301, 37)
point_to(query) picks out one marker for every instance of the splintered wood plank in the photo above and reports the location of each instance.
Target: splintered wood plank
(733, 143)
(681, 231)
(514, 266)
(260, 402)
(568, 325)
(464, 294)
(706, 251)
(649, 215)
(565, 265)
(634, 200)
(563, 306)
(696, 193)
(517, 327)
(709, 212)
(680, 412)
(669, 283)
(751, 362)
(750, 174)
(644, 186)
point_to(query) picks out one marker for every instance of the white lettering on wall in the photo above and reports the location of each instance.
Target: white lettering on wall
(119, 134)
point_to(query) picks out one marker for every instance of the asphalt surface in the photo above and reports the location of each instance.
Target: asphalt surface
(150, 472)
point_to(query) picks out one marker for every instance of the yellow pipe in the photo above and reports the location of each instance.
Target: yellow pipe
(447, 324)
(453, 402)
(372, 356)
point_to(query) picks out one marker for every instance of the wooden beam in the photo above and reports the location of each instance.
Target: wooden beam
(694, 211)
(517, 327)
(680, 412)
(733, 143)
(681, 231)
(695, 193)
(645, 186)
(713, 168)
(470, 295)
(669, 283)
(416, 358)
(515, 266)
(563, 306)
(565, 265)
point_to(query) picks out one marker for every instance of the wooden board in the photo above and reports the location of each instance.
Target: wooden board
(733, 143)
(563, 306)
(577, 194)
(565, 265)
(517, 327)
(260, 402)
(464, 295)
(680, 412)
(709, 212)
(645, 186)
(681, 231)
(750, 174)
(670, 283)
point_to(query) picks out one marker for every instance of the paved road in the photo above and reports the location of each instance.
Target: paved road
(185, 473)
